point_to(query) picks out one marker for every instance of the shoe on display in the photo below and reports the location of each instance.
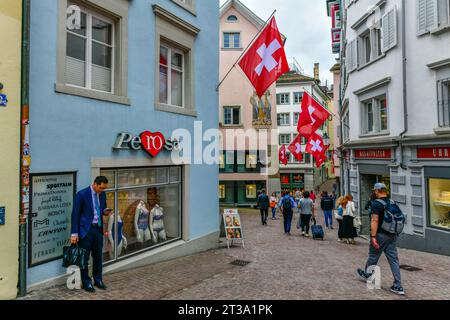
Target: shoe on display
(398, 290)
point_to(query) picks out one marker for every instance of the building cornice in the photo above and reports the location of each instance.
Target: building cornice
(373, 86)
(175, 20)
(439, 64)
(364, 18)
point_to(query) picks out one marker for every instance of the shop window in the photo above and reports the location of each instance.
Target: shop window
(251, 161)
(147, 210)
(222, 191)
(250, 191)
(439, 195)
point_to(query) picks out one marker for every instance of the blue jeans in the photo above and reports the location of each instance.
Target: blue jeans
(328, 217)
(388, 245)
(274, 213)
(287, 220)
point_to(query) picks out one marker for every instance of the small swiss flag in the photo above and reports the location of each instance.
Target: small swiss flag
(316, 148)
(296, 148)
(282, 155)
(312, 117)
(265, 61)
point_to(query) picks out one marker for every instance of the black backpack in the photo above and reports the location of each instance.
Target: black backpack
(287, 205)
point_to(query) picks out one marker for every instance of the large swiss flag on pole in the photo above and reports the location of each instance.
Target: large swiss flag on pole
(312, 117)
(265, 61)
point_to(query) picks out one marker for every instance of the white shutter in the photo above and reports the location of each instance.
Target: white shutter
(101, 78)
(427, 16)
(75, 72)
(389, 22)
(354, 55)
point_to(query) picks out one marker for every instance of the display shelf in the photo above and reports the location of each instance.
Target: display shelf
(442, 203)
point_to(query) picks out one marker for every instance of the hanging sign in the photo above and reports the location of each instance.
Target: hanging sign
(52, 196)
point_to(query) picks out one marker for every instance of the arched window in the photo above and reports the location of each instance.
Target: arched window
(232, 18)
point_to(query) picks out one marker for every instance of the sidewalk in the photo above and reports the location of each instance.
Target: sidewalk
(281, 267)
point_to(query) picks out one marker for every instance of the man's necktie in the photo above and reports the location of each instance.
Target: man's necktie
(97, 207)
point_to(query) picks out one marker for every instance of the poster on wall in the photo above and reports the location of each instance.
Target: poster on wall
(52, 196)
(233, 226)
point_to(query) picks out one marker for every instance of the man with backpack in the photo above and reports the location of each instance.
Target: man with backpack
(264, 204)
(387, 222)
(287, 204)
(327, 205)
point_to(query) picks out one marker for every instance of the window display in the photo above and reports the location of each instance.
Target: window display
(222, 191)
(250, 191)
(439, 195)
(147, 210)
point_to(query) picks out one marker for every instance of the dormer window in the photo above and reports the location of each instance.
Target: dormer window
(232, 18)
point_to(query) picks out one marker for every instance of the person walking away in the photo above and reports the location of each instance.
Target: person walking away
(334, 198)
(381, 238)
(348, 229)
(263, 204)
(287, 204)
(339, 216)
(327, 206)
(87, 229)
(312, 196)
(306, 206)
(273, 205)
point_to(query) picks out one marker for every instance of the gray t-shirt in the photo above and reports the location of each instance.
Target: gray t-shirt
(306, 205)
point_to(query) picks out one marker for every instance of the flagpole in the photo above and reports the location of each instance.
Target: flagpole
(251, 42)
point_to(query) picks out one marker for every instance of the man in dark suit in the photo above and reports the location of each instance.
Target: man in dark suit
(87, 228)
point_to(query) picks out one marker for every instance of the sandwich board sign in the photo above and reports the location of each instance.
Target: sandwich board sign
(233, 227)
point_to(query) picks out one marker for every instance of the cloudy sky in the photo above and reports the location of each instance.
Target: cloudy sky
(307, 27)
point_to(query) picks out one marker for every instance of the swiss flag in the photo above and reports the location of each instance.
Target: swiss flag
(282, 155)
(265, 61)
(312, 117)
(316, 148)
(296, 148)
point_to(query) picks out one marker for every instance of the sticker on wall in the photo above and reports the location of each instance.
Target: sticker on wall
(2, 216)
(3, 100)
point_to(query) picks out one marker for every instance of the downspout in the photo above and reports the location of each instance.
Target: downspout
(24, 154)
(405, 96)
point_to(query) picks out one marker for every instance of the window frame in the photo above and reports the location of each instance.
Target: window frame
(188, 7)
(376, 114)
(284, 135)
(300, 97)
(169, 67)
(443, 90)
(232, 42)
(112, 13)
(232, 116)
(286, 101)
(285, 123)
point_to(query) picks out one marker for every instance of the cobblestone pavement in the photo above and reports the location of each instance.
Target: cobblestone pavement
(282, 267)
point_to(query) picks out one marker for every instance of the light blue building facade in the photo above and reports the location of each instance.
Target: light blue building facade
(103, 72)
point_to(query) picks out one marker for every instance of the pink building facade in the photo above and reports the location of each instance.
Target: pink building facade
(245, 167)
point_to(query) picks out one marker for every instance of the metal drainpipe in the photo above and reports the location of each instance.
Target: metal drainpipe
(405, 96)
(24, 165)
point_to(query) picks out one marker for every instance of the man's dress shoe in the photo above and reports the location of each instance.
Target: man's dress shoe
(88, 287)
(100, 285)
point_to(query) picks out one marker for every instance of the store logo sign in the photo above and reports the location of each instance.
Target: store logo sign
(152, 143)
(373, 154)
(433, 153)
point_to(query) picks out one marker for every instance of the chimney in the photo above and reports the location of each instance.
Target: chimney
(316, 71)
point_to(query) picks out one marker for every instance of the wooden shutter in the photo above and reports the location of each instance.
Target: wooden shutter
(389, 22)
(427, 16)
(354, 55)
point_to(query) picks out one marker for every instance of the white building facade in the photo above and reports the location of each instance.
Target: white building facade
(395, 112)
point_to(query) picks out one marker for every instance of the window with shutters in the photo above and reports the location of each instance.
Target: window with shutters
(92, 54)
(444, 102)
(370, 45)
(296, 118)
(283, 98)
(285, 139)
(352, 55)
(427, 16)
(389, 27)
(298, 96)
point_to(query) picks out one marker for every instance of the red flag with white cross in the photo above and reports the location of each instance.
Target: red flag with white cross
(265, 61)
(282, 155)
(316, 148)
(296, 148)
(312, 117)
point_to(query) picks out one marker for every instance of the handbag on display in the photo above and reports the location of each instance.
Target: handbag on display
(74, 256)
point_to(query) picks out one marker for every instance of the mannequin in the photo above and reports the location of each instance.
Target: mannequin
(122, 242)
(141, 223)
(157, 224)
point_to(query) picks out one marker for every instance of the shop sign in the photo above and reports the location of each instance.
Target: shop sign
(373, 154)
(433, 153)
(151, 142)
(285, 179)
(52, 197)
(233, 226)
(298, 178)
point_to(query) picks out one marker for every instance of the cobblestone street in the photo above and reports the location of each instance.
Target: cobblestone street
(282, 267)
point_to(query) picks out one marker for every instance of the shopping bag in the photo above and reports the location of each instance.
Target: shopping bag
(75, 256)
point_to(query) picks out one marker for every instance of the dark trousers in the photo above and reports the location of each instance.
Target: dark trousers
(264, 215)
(93, 243)
(287, 215)
(340, 236)
(305, 220)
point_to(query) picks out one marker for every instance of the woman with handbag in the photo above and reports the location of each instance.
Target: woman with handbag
(349, 232)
